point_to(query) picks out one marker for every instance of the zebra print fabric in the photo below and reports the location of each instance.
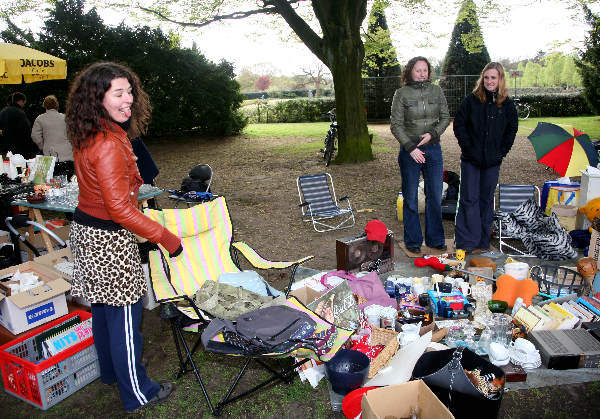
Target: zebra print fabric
(542, 235)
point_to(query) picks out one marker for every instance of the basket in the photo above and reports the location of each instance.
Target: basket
(47, 382)
(385, 337)
(557, 281)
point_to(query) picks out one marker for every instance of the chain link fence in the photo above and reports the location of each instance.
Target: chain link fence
(379, 92)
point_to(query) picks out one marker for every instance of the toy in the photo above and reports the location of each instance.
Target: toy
(591, 210)
(587, 267)
(432, 262)
(509, 288)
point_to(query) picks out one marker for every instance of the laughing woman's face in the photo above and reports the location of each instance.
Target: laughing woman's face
(118, 99)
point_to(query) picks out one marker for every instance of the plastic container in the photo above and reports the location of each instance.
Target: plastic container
(44, 383)
(336, 399)
(399, 205)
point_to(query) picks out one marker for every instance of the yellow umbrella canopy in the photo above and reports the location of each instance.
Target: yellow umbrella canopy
(19, 63)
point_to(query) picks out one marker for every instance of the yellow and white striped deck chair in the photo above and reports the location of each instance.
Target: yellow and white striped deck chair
(206, 234)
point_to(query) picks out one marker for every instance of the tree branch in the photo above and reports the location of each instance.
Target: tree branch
(313, 41)
(234, 15)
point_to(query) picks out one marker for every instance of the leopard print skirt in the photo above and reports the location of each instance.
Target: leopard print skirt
(107, 267)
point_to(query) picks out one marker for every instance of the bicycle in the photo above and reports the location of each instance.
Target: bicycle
(523, 109)
(330, 138)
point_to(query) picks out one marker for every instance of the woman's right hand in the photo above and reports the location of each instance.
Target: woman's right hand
(418, 155)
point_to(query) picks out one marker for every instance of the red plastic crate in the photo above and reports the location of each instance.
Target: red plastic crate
(45, 383)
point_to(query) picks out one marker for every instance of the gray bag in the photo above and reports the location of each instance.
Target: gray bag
(268, 329)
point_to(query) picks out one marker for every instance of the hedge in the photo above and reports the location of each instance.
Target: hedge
(556, 104)
(287, 94)
(294, 110)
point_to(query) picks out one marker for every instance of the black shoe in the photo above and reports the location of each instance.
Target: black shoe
(441, 247)
(163, 393)
(414, 249)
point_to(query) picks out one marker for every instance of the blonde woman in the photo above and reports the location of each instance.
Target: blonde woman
(485, 126)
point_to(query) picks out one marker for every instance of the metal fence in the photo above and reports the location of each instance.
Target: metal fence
(379, 92)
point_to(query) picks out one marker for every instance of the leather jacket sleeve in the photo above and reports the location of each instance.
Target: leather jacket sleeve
(120, 199)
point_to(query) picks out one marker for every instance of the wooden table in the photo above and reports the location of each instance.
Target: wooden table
(35, 211)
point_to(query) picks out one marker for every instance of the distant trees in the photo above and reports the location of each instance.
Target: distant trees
(262, 83)
(187, 91)
(589, 62)
(467, 53)
(380, 55)
(550, 71)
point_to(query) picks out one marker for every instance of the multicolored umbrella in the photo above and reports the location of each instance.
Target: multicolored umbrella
(567, 152)
(19, 63)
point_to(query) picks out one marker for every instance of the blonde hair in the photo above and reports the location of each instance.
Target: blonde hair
(502, 93)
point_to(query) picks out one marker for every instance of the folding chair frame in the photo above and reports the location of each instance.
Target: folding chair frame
(187, 364)
(520, 190)
(310, 212)
(185, 352)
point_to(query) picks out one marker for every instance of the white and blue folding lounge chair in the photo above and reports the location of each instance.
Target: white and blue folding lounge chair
(319, 204)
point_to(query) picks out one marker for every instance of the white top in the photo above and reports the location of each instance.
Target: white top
(49, 132)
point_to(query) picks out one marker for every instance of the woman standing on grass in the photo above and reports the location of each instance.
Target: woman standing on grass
(106, 102)
(419, 117)
(486, 125)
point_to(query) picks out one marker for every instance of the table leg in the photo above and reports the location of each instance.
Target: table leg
(36, 214)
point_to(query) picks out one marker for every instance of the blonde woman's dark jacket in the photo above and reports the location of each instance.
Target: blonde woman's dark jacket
(418, 108)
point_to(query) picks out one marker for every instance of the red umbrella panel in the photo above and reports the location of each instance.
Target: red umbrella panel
(566, 152)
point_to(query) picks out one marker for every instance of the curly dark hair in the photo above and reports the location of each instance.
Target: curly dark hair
(85, 113)
(406, 72)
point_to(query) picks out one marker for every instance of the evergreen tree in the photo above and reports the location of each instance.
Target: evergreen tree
(467, 53)
(589, 62)
(380, 55)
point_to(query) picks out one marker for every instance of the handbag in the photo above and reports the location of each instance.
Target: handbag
(444, 372)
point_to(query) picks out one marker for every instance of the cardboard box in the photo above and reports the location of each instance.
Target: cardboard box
(32, 308)
(305, 295)
(406, 396)
(52, 258)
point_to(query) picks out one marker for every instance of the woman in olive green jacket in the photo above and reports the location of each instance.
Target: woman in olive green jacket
(418, 119)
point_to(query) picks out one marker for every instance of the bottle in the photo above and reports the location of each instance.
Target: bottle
(399, 204)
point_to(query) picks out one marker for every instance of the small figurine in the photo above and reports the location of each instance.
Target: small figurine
(587, 267)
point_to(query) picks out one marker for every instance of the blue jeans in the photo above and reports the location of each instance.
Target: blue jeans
(475, 206)
(433, 174)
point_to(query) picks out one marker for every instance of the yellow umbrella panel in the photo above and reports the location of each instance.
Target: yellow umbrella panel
(19, 63)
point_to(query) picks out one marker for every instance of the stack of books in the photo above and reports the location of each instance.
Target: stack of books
(568, 314)
(63, 336)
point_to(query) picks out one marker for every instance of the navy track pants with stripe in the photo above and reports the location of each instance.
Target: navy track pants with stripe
(119, 345)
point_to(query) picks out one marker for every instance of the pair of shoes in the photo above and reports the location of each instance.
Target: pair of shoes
(163, 393)
(414, 249)
(441, 247)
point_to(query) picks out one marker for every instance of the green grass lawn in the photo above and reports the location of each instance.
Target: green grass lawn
(295, 129)
(588, 124)
(313, 134)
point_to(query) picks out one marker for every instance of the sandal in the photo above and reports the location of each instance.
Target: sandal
(163, 393)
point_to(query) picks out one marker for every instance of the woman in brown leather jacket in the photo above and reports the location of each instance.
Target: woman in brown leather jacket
(106, 107)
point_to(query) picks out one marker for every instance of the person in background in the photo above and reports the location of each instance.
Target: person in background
(106, 107)
(146, 165)
(16, 128)
(485, 126)
(419, 117)
(49, 133)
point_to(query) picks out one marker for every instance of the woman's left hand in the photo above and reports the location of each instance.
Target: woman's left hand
(425, 138)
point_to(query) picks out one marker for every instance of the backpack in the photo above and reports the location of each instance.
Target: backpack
(189, 184)
(269, 329)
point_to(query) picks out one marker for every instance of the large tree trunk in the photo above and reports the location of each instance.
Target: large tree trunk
(342, 51)
(354, 144)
